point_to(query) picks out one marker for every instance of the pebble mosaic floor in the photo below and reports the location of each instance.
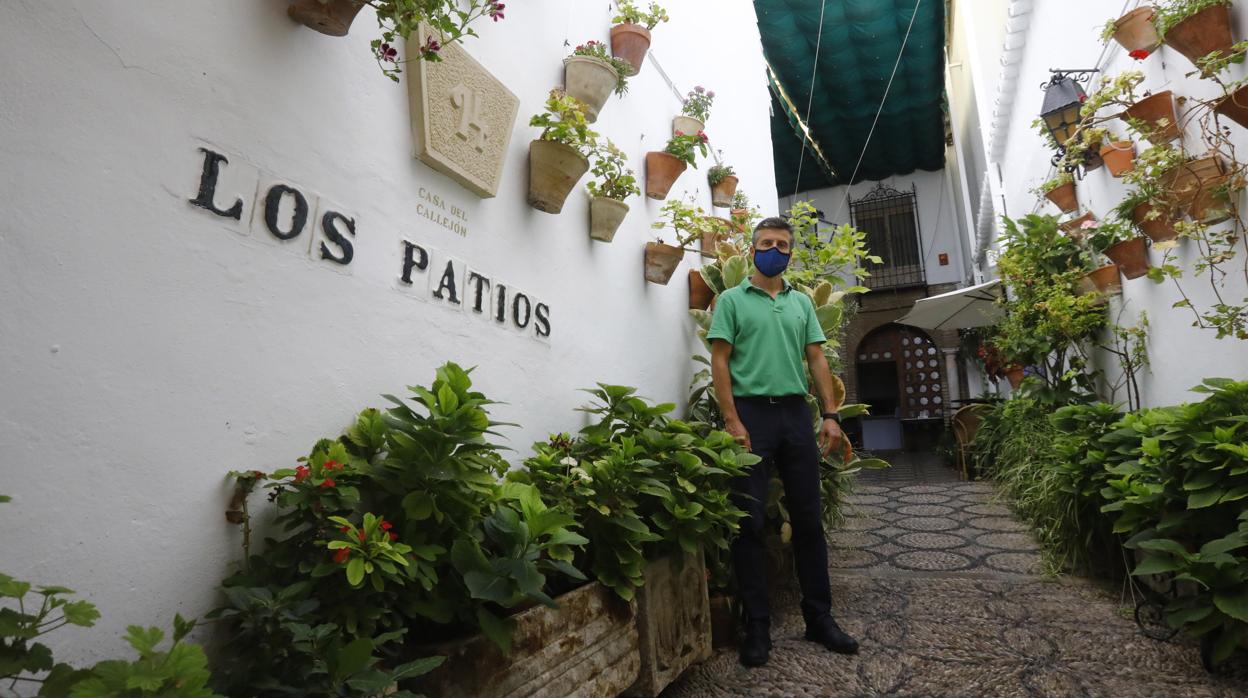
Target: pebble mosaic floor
(940, 583)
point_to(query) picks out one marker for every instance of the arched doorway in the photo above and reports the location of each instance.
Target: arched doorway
(899, 374)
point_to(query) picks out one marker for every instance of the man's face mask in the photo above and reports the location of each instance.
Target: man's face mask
(771, 257)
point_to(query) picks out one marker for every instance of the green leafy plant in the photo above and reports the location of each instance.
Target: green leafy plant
(840, 259)
(23, 657)
(1168, 13)
(689, 221)
(563, 121)
(718, 173)
(687, 147)
(612, 176)
(597, 49)
(697, 104)
(1062, 178)
(629, 13)
(399, 19)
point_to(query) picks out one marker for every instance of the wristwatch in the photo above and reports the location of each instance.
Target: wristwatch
(832, 416)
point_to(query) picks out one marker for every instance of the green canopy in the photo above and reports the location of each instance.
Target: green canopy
(861, 40)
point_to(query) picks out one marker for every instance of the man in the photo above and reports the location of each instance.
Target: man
(760, 332)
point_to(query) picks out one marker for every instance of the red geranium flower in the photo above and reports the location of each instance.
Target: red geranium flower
(496, 10)
(387, 53)
(680, 133)
(1140, 54)
(301, 473)
(345, 529)
(341, 555)
(394, 536)
(332, 464)
(257, 474)
(329, 482)
(386, 525)
(362, 535)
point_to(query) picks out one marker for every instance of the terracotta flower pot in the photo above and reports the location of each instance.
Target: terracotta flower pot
(1153, 110)
(1193, 186)
(331, 17)
(629, 43)
(1135, 31)
(1093, 160)
(605, 216)
(1074, 226)
(700, 294)
(590, 80)
(1235, 106)
(1119, 157)
(1131, 256)
(1103, 280)
(1158, 229)
(554, 169)
(1202, 33)
(1063, 197)
(722, 193)
(662, 169)
(1015, 376)
(661, 262)
(686, 125)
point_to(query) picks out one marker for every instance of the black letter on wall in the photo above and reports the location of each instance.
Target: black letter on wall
(542, 311)
(414, 257)
(332, 232)
(208, 187)
(483, 287)
(500, 313)
(448, 283)
(273, 202)
(515, 310)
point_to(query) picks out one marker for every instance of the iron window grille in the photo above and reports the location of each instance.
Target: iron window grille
(890, 220)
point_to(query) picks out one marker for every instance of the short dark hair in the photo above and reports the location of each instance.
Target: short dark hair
(772, 223)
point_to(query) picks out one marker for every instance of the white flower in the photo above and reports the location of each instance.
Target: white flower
(568, 460)
(584, 476)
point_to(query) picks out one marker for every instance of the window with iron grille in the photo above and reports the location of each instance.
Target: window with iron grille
(890, 220)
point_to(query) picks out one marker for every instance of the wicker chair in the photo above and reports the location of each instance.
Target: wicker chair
(966, 422)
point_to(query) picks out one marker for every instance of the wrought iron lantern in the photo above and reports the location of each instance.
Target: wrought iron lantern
(1063, 98)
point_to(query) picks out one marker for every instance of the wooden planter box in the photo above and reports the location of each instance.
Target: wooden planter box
(673, 621)
(587, 647)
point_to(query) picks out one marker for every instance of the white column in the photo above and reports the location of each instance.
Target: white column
(951, 379)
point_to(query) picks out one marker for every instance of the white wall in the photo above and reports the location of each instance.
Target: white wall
(937, 216)
(146, 349)
(1180, 355)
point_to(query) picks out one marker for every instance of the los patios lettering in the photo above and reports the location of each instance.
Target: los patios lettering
(282, 213)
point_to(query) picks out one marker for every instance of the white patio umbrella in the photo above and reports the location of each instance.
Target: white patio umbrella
(974, 306)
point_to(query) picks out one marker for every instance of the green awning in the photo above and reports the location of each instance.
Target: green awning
(861, 40)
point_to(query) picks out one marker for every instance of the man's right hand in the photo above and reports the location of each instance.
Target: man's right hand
(737, 429)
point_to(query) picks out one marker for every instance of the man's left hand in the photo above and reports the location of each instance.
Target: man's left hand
(830, 437)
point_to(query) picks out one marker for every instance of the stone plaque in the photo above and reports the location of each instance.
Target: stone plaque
(462, 116)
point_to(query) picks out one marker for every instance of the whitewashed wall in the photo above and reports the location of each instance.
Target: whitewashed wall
(1181, 356)
(145, 349)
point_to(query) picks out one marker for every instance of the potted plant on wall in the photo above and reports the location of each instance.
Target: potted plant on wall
(694, 112)
(663, 167)
(1061, 191)
(398, 20)
(1195, 28)
(630, 40)
(1117, 240)
(614, 182)
(1150, 216)
(590, 76)
(688, 222)
(1152, 117)
(1134, 31)
(723, 183)
(560, 155)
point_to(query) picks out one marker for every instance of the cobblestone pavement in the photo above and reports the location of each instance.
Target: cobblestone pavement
(939, 581)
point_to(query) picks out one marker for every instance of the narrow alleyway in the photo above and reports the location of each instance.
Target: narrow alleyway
(940, 583)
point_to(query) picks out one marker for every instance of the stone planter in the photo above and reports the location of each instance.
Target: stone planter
(629, 43)
(1153, 110)
(1103, 280)
(1234, 106)
(1063, 197)
(723, 621)
(1158, 229)
(1135, 31)
(585, 647)
(331, 17)
(1202, 33)
(700, 294)
(662, 169)
(686, 125)
(605, 216)
(661, 262)
(673, 621)
(1119, 157)
(590, 80)
(722, 193)
(1131, 256)
(554, 169)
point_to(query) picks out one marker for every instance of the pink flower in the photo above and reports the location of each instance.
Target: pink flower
(496, 10)
(699, 89)
(1088, 224)
(431, 47)
(388, 53)
(711, 94)
(679, 134)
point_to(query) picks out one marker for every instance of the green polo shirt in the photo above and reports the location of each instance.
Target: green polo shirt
(768, 337)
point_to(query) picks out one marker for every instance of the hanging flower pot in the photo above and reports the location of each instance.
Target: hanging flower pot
(554, 169)
(605, 216)
(1234, 106)
(722, 193)
(712, 236)
(629, 43)
(331, 17)
(1131, 256)
(1202, 33)
(1135, 31)
(662, 169)
(700, 294)
(1119, 157)
(1153, 111)
(1103, 280)
(1196, 187)
(590, 80)
(682, 124)
(1074, 226)
(1015, 375)
(1158, 228)
(661, 262)
(1064, 197)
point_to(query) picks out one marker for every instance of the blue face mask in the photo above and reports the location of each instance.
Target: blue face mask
(771, 262)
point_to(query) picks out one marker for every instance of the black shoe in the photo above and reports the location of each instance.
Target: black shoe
(826, 632)
(756, 647)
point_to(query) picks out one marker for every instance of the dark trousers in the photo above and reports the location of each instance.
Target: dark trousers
(780, 432)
